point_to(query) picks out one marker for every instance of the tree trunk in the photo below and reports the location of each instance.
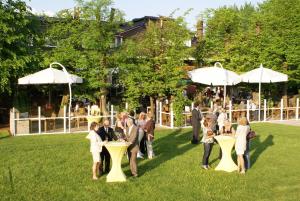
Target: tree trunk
(152, 106)
(285, 98)
(102, 101)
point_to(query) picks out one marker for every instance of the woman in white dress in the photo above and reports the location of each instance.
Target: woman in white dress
(241, 141)
(95, 148)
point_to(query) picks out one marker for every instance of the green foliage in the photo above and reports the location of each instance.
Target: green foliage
(151, 63)
(179, 102)
(242, 38)
(19, 43)
(85, 44)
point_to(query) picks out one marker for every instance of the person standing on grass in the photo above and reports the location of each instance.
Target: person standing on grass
(106, 133)
(95, 148)
(208, 142)
(132, 150)
(149, 129)
(241, 143)
(247, 151)
(141, 125)
(196, 118)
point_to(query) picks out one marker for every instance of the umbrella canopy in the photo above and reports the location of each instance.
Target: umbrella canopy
(49, 76)
(263, 75)
(215, 76)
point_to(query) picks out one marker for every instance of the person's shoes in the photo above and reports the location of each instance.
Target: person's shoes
(194, 141)
(140, 156)
(242, 172)
(205, 167)
(135, 175)
(95, 178)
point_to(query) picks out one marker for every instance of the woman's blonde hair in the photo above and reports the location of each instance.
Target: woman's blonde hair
(205, 122)
(142, 116)
(243, 121)
(118, 116)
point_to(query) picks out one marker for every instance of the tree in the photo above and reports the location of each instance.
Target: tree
(151, 62)
(19, 43)
(85, 41)
(242, 38)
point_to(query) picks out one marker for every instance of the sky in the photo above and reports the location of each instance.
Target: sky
(139, 8)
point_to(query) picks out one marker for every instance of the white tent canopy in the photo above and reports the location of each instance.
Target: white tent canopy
(263, 75)
(49, 76)
(53, 76)
(215, 76)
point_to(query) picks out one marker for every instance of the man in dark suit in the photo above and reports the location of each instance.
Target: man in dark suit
(132, 150)
(106, 133)
(196, 118)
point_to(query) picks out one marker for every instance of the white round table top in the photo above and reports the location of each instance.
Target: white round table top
(224, 137)
(117, 144)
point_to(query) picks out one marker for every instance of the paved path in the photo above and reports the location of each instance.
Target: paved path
(287, 122)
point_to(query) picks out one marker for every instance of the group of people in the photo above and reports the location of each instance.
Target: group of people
(139, 133)
(216, 123)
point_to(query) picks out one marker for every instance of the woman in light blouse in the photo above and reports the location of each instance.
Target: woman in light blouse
(141, 125)
(207, 141)
(95, 148)
(240, 143)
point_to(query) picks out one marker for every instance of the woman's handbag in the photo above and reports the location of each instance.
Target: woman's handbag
(251, 135)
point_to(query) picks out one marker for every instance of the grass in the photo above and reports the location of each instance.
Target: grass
(58, 167)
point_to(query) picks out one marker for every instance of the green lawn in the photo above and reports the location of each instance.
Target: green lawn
(58, 167)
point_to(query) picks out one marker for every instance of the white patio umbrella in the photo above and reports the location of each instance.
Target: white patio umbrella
(263, 75)
(215, 76)
(52, 76)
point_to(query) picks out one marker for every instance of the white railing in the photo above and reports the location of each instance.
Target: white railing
(166, 119)
(40, 124)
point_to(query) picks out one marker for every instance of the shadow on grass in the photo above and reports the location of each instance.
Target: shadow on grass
(259, 147)
(256, 144)
(166, 148)
(4, 135)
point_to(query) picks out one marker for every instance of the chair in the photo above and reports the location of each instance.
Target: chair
(81, 112)
(50, 123)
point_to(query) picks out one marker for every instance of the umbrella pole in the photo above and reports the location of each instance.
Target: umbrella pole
(70, 104)
(70, 90)
(259, 101)
(259, 91)
(224, 97)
